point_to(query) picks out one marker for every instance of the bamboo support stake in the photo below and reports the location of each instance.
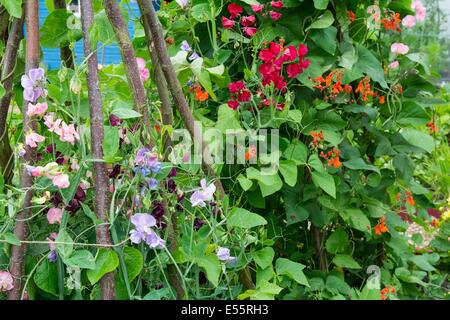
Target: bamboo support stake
(17, 261)
(101, 200)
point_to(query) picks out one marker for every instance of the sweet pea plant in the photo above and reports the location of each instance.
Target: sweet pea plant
(348, 212)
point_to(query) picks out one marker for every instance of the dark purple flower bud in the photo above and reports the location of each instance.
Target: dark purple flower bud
(171, 186)
(52, 256)
(56, 199)
(213, 203)
(114, 120)
(202, 280)
(173, 172)
(115, 172)
(198, 223)
(59, 157)
(158, 213)
(50, 148)
(38, 156)
(80, 195)
(73, 206)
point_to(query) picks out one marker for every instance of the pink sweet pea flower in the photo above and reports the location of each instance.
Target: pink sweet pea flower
(61, 181)
(51, 240)
(34, 85)
(247, 21)
(36, 171)
(37, 109)
(6, 281)
(277, 4)
(234, 9)
(399, 48)
(409, 21)
(143, 71)
(257, 8)
(54, 215)
(32, 139)
(393, 65)
(249, 31)
(275, 15)
(227, 23)
(420, 9)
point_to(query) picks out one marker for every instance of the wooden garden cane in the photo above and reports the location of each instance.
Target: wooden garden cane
(101, 202)
(6, 78)
(114, 15)
(155, 36)
(65, 52)
(17, 262)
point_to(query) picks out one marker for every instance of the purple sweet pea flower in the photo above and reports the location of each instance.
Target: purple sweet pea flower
(152, 183)
(194, 56)
(143, 232)
(224, 255)
(154, 241)
(33, 85)
(185, 46)
(145, 158)
(52, 256)
(206, 193)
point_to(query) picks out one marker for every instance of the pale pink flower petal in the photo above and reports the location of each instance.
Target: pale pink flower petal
(409, 21)
(61, 181)
(54, 215)
(6, 281)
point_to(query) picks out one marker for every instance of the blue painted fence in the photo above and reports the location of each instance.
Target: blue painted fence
(107, 55)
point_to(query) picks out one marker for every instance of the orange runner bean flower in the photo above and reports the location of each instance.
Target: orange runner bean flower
(351, 16)
(364, 89)
(251, 153)
(432, 127)
(381, 100)
(200, 95)
(317, 137)
(381, 228)
(385, 291)
(392, 22)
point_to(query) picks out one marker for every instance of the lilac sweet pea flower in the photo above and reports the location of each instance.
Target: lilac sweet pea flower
(182, 3)
(143, 232)
(206, 193)
(185, 46)
(224, 255)
(147, 161)
(33, 85)
(152, 183)
(194, 56)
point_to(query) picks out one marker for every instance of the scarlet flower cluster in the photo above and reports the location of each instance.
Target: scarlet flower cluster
(332, 157)
(248, 22)
(275, 57)
(239, 93)
(407, 198)
(381, 228)
(385, 291)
